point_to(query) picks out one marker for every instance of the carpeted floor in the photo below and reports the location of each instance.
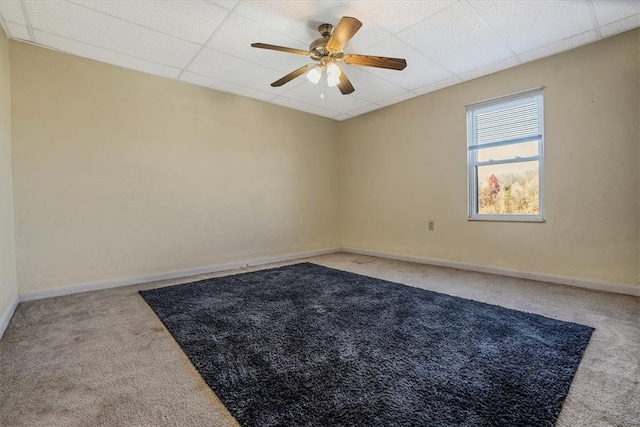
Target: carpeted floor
(308, 345)
(104, 359)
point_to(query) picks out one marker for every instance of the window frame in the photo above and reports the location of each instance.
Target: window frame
(472, 154)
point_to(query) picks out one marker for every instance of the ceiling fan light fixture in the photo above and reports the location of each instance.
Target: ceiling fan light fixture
(333, 75)
(314, 75)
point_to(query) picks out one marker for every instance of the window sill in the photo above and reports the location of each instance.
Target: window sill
(505, 218)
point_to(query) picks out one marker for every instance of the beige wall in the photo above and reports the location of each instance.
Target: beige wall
(8, 282)
(405, 165)
(119, 174)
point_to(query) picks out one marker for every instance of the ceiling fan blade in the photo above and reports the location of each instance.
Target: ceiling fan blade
(292, 75)
(280, 48)
(345, 85)
(375, 61)
(346, 29)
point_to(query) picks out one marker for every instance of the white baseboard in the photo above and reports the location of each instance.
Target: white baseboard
(562, 280)
(7, 315)
(48, 293)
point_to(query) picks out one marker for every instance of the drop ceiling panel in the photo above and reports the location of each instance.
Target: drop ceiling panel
(363, 110)
(303, 106)
(432, 87)
(395, 99)
(559, 46)
(237, 34)
(300, 19)
(465, 46)
(17, 31)
(612, 11)
(189, 20)
(395, 16)
(333, 100)
(104, 55)
(529, 25)
(11, 11)
(227, 4)
(207, 42)
(420, 70)
(491, 68)
(370, 87)
(94, 28)
(620, 26)
(220, 66)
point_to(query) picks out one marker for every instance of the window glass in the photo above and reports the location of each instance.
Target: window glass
(515, 151)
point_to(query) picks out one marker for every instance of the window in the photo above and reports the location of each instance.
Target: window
(505, 147)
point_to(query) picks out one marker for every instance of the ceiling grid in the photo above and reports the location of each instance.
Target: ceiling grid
(208, 43)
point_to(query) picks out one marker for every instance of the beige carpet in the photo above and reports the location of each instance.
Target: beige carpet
(103, 358)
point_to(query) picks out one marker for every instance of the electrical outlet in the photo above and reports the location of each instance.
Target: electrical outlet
(431, 226)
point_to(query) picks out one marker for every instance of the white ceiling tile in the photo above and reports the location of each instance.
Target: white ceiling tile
(103, 55)
(302, 106)
(237, 34)
(186, 19)
(419, 71)
(11, 11)
(220, 66)
(608, 11)
(227, 4)
(333, 100)
(620, 26)
(432, 87)
(94, 28)
(363, 110)
(560, 46)
(530, 24)
(199, 80)
(370, 87)
(300, 20)
(395, 99)
(457, 39)
(491, 68)
(17, 31)
(396, 16)
(341, 117)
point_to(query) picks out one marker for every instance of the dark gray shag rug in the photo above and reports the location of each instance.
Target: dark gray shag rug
(309, 345)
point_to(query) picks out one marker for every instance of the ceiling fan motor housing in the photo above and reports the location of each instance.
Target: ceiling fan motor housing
(318, 48)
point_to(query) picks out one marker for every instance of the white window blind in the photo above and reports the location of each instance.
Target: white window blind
(510, 122)
(519, 123)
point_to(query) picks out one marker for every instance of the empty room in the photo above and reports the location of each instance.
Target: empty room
(320, 213)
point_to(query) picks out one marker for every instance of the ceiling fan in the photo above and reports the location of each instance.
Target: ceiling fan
(327, 52)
